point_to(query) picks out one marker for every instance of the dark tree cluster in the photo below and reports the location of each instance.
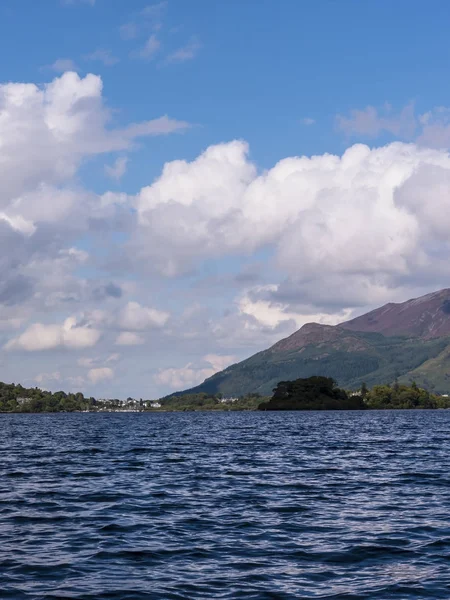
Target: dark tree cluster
(312, 393)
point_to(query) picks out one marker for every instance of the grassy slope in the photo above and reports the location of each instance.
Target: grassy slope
(433, 374)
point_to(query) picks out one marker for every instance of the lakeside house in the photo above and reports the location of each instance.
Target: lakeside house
(227, 400)
(21, 401)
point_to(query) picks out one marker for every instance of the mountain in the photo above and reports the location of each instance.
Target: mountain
(405, 341)
(426, 317)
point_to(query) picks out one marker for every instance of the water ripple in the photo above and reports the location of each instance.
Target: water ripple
(341, 506)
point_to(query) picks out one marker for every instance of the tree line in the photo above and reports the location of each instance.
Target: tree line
(311, 393)
(16, 398)
(322, 393)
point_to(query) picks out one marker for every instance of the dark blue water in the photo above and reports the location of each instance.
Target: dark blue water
(340, 505)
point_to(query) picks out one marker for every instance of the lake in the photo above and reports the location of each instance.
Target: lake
(341, 505)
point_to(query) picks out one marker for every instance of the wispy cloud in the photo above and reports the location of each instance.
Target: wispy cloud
(371, 122)
(148, 51)
(160, 126)
(149, 18)
(431, 128)
(118, 169)
(129, 31)
(104, 56)
(154, 11)
(71, 2)
(307, 121)
(61, 65)
(187, 52)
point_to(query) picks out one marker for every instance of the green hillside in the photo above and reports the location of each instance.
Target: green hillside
(351, 359)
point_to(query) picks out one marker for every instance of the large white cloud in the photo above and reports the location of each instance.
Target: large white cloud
(39, 336)
(45, 131)
(372, 213)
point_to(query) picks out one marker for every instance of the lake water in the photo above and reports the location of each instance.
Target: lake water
(341, 505)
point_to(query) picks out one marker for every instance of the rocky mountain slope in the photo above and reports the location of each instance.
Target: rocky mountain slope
(406, 341)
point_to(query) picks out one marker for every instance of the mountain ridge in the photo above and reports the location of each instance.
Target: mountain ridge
(395, 341)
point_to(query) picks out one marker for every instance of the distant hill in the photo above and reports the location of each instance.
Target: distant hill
(405, 341)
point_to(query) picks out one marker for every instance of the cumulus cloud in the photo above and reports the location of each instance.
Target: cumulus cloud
(69, 335)
(70, 120)
(332, 235)
(100, 374)
(46, 133)
(370, 216)
(264, 304)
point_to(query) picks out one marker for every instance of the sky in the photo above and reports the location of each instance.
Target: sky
(182, 184)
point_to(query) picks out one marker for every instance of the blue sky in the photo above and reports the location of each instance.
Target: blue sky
(131, 272)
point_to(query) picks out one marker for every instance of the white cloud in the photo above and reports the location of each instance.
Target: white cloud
(187, 52)
(219, 362)
(100, 374)
(331, 234)
(189, 375)
(135, 317)
(270, 312)
(128, 338)
(161, 126)
(47, 337)
(18, 223)
(307, 121)
(118, 169)
(48, 131)
(262, 304)
(371, 216)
